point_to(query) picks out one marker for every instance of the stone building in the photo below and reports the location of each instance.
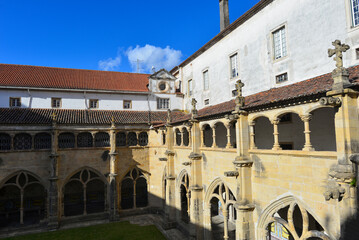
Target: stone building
(264, 145)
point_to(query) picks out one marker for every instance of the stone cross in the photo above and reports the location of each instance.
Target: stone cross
(239, 86)
(194, 103)
(338, 51)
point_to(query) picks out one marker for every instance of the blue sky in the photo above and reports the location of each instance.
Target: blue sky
(108, 34)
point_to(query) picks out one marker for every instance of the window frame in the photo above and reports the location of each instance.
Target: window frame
(231, 66)
(54, 99)
(273, 32)
(161, 103)
(204, 72)
(127, 101)
(14, 98)
(94, 100)
(352, 13)
(281, 74)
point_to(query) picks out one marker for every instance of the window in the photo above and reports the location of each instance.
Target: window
(163, 103)
(206, 102)
(66, 140)
(162, 86)
(190, 88)
(22, 141)
(205, 80)
(102, 139)
(282, 78)
(279, 43)
(42, 141)
(357, 53)
(355, 12)
(127, 104)
(234, 66)
(56, 102)
(84, 139)
(15, 102)
(93, 103)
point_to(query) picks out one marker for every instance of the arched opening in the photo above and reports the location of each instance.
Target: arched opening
(5, 142)
(22, 141)
(185, 198)
(207, 136)
(120, 139)
(132, 139)
(322, 127)
(102, 139)
(163, 138)
(291, 132)
(263, 131)
(222, 212)
(143, 139)
(22, 201)
(221, 135)
(84, 193)
(84, 139)
(185, 137)
(66, 140)
(42, 141)
(134, 193)
(233, 134)
(178, 137)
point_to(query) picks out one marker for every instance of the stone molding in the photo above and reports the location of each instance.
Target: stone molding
(163, 159)
(195, 156)
(169, 153)
(187, 163)
(231, 174)
(330, 101)
(196, 188)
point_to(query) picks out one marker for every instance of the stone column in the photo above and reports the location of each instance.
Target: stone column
(214, 144)
(113, 174)
(276, 145)
(189, 137)
(225, 223)
(229, 145)
(53, 197)
(252, 136)
(182, 137)
(308, 145)
(202, 138)
(171, 179)
(196, 186)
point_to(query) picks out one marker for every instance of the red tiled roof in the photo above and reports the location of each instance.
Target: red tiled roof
(310, 87)
(93, 117)
(49, 77)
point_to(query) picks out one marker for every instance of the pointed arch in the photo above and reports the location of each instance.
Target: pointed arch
(283, 212)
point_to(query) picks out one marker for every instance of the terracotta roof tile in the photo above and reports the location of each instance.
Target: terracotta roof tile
(49, 77)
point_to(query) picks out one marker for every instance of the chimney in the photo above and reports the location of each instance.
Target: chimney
(224, 14)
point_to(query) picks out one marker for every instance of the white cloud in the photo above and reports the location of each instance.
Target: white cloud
(151, 56)
(110, 64)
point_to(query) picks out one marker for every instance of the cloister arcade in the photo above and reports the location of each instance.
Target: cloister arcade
(134, 190)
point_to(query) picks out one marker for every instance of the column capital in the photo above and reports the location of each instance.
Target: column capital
(195, 156)
(306, 117)
(275, 121)
(169, 153)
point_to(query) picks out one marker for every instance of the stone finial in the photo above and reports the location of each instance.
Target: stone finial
(340, 74)
(169, 119)
(194, 109)
(240, 101)
(112, 121)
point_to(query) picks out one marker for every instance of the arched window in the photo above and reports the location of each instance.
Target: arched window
(42, 141)
(5, 141)
(185, 137)
(22, 141)
(22, 201)
(143, 139)
(121, 139)
(84, 139)
(132, 139)
(102, 139)
(163, 138)
(134, 190)
(84, 193)
(185, 198)
(66, 140)
(221, 135)
(207, 136)
(263, 131)
(178, 137)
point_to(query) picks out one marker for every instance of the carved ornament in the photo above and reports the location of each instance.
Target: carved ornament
(334, 191)
(195, 156)
(330, 101)
(187, 163)
(231, 174)
(169, 153)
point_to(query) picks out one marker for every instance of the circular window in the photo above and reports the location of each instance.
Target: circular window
(163, 86)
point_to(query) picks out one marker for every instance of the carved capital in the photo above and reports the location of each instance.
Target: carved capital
(196, 188)
(330, 101)
(306, 118)
(241, 162)
(232, 117)
(244, 206)
(334, 191)
(231, 174)
(187, 163)
(169, 153)
(163, 159)
(195, 156)
(275, 121)
(171, 178)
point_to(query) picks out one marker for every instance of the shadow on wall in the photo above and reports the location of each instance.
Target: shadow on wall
(350, 227)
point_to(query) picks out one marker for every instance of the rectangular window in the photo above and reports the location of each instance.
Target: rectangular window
(56, 102)
(190, 88)
(279, 43)
(355, 12)
(205, 80)
(127, 104)
(234, 66)
(163, 103)
(282, 78)
(15, 102)
(206, 102)
(93, 103)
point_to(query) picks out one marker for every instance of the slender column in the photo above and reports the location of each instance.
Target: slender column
(171, 185)
(93, 139)
(229, 145)
(276, 145)
(202, 138)
(113, 173)
(225, 223)
(214, 145)
(189, 137)
(137, 139)
(252, 136)
(182, 137)
(307, 146)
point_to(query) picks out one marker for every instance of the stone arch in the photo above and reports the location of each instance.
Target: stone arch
(288, 205)
(102, 139)
(316, 107)
(84, 192)
(207, 134)
(221, 134)
(84, 139)
(219, 203)
(5, 141)
(23, 199)
(178, 137)
(263, 132)
(256, 116)
(184, 195)
(42, 141)
(291, 130)
(66, 140)
(22, 141)
(284, 112)
(185, 136)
